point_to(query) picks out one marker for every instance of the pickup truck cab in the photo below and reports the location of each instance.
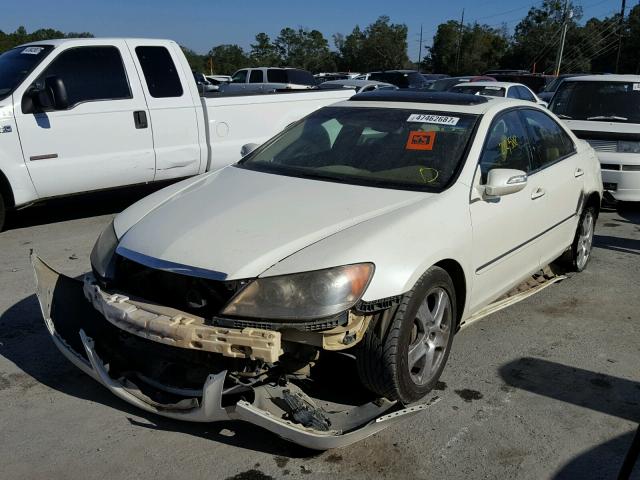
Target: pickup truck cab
(604, 110)
(78, 115)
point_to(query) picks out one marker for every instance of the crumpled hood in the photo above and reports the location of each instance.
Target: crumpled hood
(236, 223)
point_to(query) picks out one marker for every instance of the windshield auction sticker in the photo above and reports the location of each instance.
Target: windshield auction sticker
(419, 140)
(438, 119)
(32, 51)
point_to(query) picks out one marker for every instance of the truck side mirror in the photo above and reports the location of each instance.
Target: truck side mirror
(57, 91)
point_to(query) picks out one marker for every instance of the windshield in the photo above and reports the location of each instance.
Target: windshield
(488, 90)
(606, 101)
(17, 63)
(382, 147)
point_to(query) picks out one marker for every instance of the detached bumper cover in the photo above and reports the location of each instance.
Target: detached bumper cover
(67, 315)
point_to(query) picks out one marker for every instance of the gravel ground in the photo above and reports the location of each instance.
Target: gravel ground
(547, 388)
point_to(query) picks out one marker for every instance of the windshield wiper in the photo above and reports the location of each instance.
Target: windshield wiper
(562, 115)
(608, 117)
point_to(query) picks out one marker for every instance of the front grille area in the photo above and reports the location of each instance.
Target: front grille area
(603, 145)
(609, 166)
(202, 297)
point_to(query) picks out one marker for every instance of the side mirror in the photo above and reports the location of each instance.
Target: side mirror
(248, 148)
(58, 92)
(504, 181)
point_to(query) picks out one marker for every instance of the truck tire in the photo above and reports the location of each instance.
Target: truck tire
(406, 362)
(3, 212)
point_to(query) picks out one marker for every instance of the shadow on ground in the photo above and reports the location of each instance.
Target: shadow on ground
(607, 394)
(80, 206)
(25, 341)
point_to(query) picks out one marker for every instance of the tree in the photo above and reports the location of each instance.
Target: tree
(228, 58)
(303, 48)
(20, 36)
(197, 62)
(263, 52)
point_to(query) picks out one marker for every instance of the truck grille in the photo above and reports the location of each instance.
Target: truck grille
(603, 145)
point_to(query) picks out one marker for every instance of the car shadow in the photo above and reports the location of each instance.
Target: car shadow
(606, 394)
(25, 341)
(78, 206)
(617, 244)
(630, 212)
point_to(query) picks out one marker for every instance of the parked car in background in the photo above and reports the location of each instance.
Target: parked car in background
(604, 110)
(218, 79)
(445, 84)
(499, 89)
(204, 85)
(432, 77)
(326, 77)
(400, 78)
(375, 228)
(535, 81)
(359, 85)
(78, 115)
(550, 89)
(269, 79)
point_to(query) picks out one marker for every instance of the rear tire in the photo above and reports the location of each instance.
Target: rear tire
(3, 212)
(407, 361)
(579, 254)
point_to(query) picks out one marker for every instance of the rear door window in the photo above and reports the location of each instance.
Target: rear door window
(525, 94)
(89, 74)
(513, 93)
(256, 76)
(276, 75)
(159, 72)
(549, 142)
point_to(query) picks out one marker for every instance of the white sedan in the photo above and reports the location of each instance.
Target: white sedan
(374, 227)
(517, 91)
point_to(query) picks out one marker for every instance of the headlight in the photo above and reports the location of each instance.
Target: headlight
(628, 147)
(302, 296)
(103, 250)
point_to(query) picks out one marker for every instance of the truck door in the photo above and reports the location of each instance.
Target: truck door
(172, 108)
(101, 140)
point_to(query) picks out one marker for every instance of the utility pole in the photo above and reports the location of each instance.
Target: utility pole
(564, 36)
(460, 42)
(620, 28)
(420, 49)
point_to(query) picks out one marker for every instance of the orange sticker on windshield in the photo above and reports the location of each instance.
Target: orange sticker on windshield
(419, 140)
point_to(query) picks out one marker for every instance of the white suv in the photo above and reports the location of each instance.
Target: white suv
(604, 110)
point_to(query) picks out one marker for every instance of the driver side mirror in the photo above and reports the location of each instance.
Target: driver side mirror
(504, 181)
(51, 96)
(248, 148)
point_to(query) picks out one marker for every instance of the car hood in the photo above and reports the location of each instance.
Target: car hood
(236, 223)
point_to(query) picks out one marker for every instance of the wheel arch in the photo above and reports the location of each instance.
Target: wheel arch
(456, 272)
(6, 191)
(593, 200)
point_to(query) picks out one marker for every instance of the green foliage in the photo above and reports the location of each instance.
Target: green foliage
(228, 58)
(20, 36)
(263, 52)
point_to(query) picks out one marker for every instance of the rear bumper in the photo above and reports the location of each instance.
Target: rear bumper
(75, 327)
(621, 175)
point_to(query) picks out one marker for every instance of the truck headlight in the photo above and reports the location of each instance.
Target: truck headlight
(628, 147)
(103, 250)
(302, 296)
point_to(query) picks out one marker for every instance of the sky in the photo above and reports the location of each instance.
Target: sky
(200, 25)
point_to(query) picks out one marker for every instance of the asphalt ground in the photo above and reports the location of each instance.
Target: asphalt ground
(546, 388)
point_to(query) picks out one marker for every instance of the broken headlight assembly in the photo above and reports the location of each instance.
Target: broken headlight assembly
(302, 296)
(103, 251)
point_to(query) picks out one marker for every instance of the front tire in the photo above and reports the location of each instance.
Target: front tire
(405, 362)
(579, 254)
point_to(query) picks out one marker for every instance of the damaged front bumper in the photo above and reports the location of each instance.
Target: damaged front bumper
(77, 329)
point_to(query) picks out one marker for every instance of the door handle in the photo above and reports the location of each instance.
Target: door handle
(140, 119)
(539, 192)
(579, 172)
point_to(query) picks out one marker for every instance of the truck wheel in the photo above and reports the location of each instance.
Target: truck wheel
(407, 361)
(3, 212)
(579, 254)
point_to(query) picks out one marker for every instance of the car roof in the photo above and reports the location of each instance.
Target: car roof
(606, 78)
(491, 84)
(433, 101)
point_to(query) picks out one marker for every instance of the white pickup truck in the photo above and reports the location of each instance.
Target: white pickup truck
(78, 115)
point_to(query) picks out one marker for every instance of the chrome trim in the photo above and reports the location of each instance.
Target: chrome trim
(168, 266)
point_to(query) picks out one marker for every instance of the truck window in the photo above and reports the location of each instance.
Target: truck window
(17, 63)
(89, 74)
(277, 75)
(256, 76)
(159, 72)
(239, 77)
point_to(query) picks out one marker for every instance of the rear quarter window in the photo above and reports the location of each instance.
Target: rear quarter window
(159, 72)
